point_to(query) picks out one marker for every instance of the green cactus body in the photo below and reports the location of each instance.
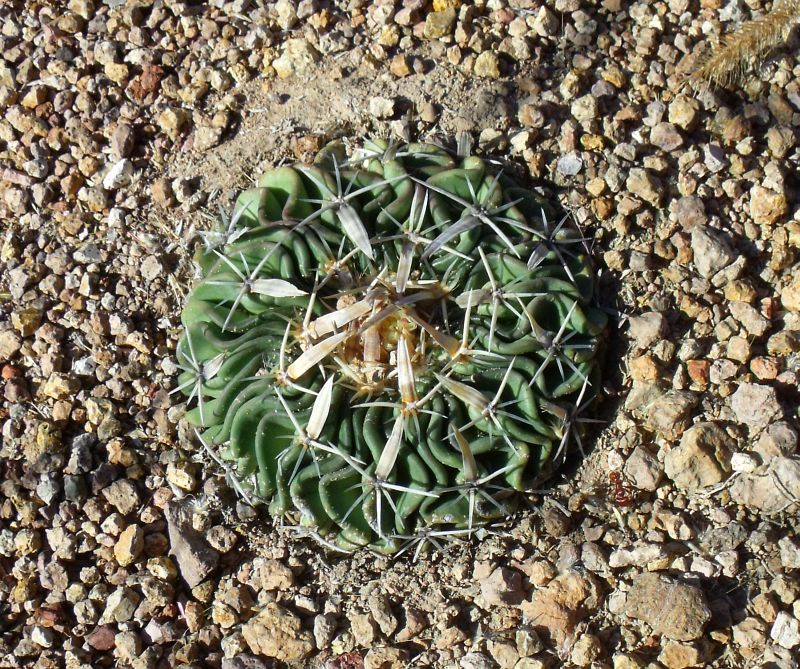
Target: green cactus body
(393, 346)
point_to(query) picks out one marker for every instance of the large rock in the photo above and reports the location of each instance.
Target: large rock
(129, 545)
(673, 609)
(195, 557)
(556, 609)
(503, 587)
(771, 491)
(645, 185)
(298, 58)
(790, 297)
(675, 655)
(702, 458)
(755, 405)
(712, 252)
(644, 469)
(670, 414)
(766, 206)
(385, 657)
(10, 343)
(778, 440)
(277, 632)
(786, 631)
(647, 329)
(439, 24)
(750, 318)
(665, 136)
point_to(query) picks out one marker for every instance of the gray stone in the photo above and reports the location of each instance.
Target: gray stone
(647, 329)
(790, 553)
(120, 606)
(670, 414)
(778, 440)
(570, 164)
(151, 268)
(645, 185)
(715, 157)
(644, 469)
(122, 141)
(584, 108)
(476, 661)
(120, 175)
(673, 609)
(712, 252)
(502, 588)
(381, 107)
(245, 661)
(639, 555)
(88, 254)
(298, 58)
(726, 538)
(702, 458)
(755, 405)
(381, 610)
(439, 24)
(665, 136)
(770, 491)
(43, 636)
(786, 631)
(10, 343)
(750, 318)
(74, 488)
(196, 559)
(123, 495)
(324, 630)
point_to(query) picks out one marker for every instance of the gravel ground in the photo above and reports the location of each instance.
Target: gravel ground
(126, 125)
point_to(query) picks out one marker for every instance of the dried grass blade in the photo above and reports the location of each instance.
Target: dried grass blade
(470, 466)
(448, 343)
(335, 320)
(315, 354)
(320, 410)
(458, 228)
(213, 366)
(355, 230)
(403, 268)
(392, 449)
(465, 393)
(405, 373)
(276, 288)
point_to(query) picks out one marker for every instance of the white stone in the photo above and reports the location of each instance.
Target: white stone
(381, 107)
(120, 175)
(637, 556)
(785, 631)
(790, 553)
(743, 462)
(570, 165)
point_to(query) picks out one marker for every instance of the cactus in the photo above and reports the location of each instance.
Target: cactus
(389, 347)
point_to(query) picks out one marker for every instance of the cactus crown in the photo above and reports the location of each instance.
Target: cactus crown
(389, 346)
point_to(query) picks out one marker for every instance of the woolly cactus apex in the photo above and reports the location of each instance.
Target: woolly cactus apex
(390, 347)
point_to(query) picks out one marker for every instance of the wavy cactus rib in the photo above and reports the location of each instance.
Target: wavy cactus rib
(389, 347)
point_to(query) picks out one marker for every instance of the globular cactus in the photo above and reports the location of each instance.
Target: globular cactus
(389, 347)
